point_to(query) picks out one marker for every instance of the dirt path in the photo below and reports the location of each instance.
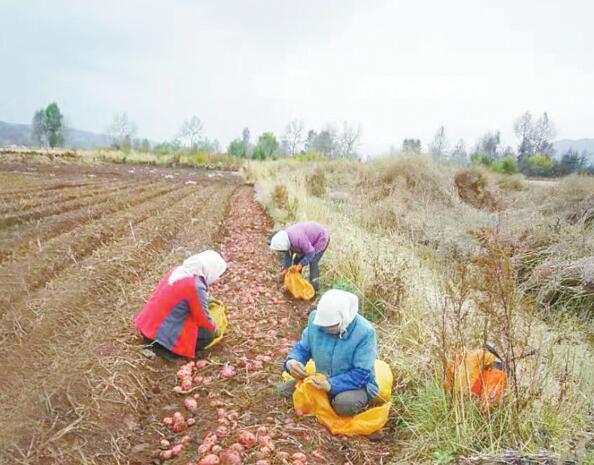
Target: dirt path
(263, 324)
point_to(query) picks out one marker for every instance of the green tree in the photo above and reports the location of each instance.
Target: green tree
(53, 124)
(237, 148)
(267, 147)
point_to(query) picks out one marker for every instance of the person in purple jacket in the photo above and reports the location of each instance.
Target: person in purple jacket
(308, 241)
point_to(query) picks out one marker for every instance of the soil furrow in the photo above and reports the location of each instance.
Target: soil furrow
(68, 317)
(57, 208)
(19, 278)
(16, 241)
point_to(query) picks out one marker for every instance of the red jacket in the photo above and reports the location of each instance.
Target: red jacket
(174, 313)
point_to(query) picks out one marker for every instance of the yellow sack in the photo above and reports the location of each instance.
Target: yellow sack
(462, 372)
(311, 401)
(218, 312)
(299, 287)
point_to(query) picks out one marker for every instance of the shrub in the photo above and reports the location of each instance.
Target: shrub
(505, 165)
(539, 165)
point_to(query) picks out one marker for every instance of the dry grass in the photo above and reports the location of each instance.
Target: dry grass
(425, 262)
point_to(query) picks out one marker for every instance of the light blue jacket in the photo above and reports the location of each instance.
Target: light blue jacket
(348, 362)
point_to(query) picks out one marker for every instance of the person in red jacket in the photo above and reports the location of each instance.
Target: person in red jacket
(175, 320)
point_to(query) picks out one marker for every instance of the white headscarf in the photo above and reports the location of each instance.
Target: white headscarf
(208, 264)
(280, 242)
(337, 307)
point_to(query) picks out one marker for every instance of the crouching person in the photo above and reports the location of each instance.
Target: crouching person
(175, 320)
(343, 346)
(307, 241)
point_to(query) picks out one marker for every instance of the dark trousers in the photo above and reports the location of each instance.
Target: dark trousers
(205, 337)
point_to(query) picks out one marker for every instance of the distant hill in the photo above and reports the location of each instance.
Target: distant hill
(581, 145)
(20, 134)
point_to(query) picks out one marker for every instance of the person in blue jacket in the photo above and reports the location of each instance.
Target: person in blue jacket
(343, 345)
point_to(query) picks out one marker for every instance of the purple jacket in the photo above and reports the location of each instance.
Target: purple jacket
(308, 239)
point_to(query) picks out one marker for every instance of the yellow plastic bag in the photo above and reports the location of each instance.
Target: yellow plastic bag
(299, 287)
(218, 312)
(462, 372)
(312, 401)
(471, 372)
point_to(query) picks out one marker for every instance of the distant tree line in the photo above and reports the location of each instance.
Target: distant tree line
(534, 156)
(328, 143)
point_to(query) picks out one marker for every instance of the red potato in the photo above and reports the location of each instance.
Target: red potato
(186, 384)
(299, 456)
(228, 372)
(191, 421)
(186, 439)
(166, 455)
(198, 379)
(299, 412)
(221, 431)
(179, 427)
(191, 404)
(270, 419)
(201, 363)
(262, 462)
(216, 449)
(177, 416)
(262, 430)
(204, 448)
(178, 389)
(207, 380)
(165, 444)
(283, 455)
(230, 457)
(168, 421)
(177, 449)
(237, 447)
(210, 459)
(247, 439)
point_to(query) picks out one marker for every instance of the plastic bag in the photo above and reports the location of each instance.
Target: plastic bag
(472, 372)
(312, 401)
(297, 285)
(218, 312)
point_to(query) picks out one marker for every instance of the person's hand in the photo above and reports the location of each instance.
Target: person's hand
(296, 369)
(321, 383)
(299, 267)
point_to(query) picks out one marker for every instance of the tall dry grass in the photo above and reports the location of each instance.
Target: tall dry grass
(443, 260)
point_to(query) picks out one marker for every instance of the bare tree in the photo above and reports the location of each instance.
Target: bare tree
(523, 131)
(459, 156)
(349, 140)
(439, 146)
(122, 130)
(191, 132)
(293, 137)
(543, 134)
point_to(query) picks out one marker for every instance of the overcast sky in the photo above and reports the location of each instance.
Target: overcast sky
(398, 69)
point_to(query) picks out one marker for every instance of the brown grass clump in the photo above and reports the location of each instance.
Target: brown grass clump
(316, 183)
(472, 189)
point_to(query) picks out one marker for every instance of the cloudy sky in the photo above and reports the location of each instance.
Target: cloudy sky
(396, 68)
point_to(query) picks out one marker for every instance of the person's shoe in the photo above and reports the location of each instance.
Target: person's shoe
(377, 436)
(285, 389)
